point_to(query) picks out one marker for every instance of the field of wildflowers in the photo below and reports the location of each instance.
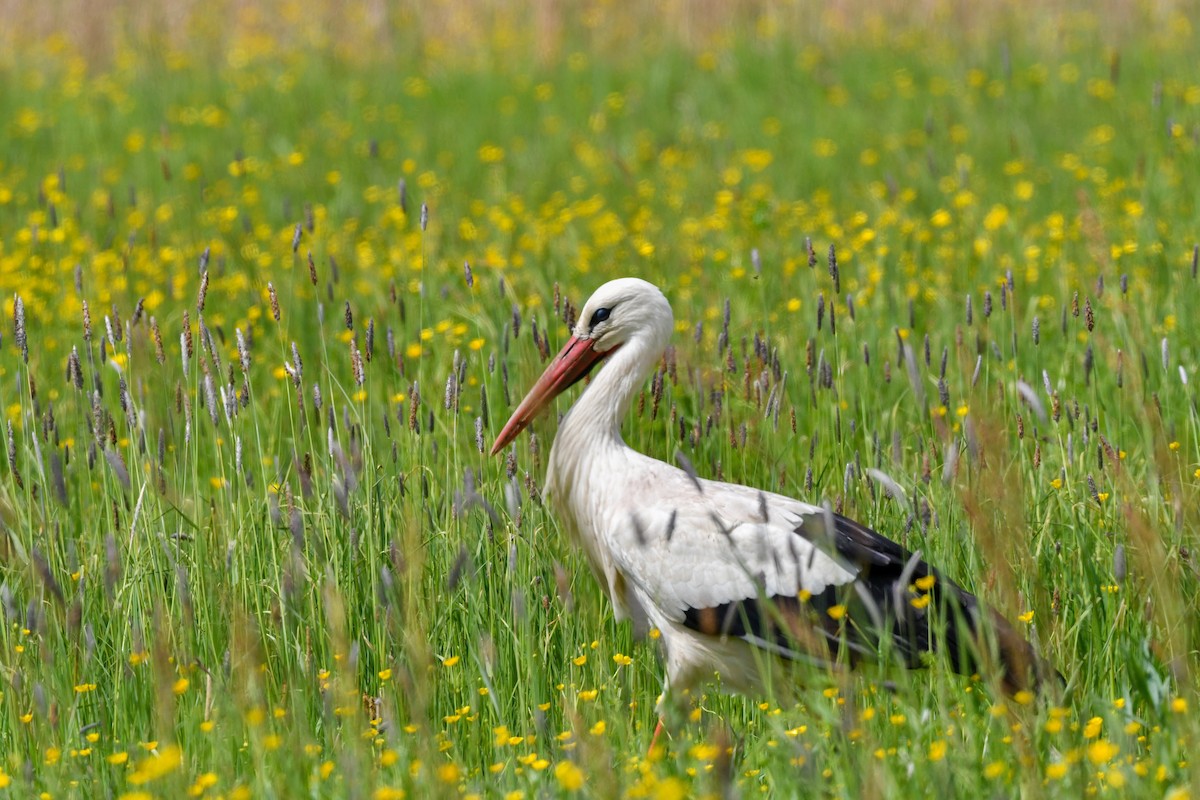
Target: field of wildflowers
(273, 280)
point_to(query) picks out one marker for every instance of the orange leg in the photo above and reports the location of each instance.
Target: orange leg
(658, 730)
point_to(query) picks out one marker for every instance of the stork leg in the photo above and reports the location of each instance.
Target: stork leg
(661, 707)
(658, 729)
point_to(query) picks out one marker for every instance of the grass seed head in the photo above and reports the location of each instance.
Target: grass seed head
(19, 327)
(833, 270)
(243, 350)
(356, 363)
(74, 369)
(202, 293)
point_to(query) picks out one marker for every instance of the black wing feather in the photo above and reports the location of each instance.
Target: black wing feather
(888, 577)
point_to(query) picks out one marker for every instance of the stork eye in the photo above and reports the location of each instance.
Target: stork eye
(598, 317)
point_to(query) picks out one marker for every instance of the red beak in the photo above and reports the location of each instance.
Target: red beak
(573, 362)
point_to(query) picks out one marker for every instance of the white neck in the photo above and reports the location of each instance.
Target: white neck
(594, 422)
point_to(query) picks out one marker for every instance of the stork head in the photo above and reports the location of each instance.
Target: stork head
(623, 312)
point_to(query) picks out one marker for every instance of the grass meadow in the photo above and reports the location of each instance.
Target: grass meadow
(274, 277)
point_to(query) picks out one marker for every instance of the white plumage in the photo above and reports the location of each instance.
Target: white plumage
(726, 573)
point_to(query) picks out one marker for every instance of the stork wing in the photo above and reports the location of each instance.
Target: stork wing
(793, 578)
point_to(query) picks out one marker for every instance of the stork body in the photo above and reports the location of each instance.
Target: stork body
(734, 578)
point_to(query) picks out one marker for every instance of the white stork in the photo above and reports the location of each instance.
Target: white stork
(733, 577)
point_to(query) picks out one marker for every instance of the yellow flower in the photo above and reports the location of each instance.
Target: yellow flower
(385, 674)
(180, 686)
(995, 217)
(491, 154)
(671, 788)
(1179, 705)
(448, 773)
(156, 766)
(1027, 617)
(993, 770)
(1057, 770)
(118, 758)
(1102, 751)
(568, 775)
(622, 660)
(579, 661)
(937, 750)
(451, 661)
(836, 612)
